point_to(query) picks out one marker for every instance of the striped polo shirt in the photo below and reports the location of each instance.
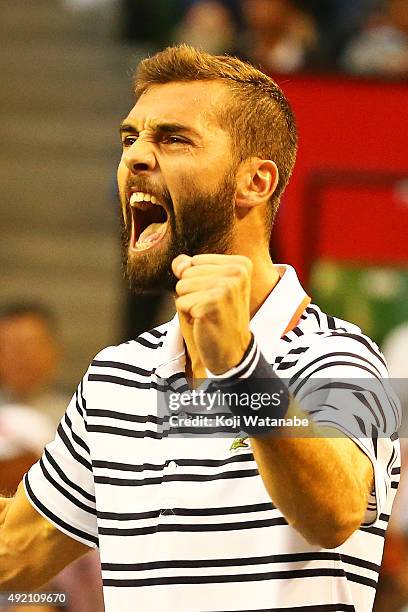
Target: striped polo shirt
(185, 524)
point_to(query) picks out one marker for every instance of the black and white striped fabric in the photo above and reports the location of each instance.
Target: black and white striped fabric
(184, 524)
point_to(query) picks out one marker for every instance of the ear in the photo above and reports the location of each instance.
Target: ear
(256, 181)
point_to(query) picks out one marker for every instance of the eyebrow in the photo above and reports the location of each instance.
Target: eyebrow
(162, 128)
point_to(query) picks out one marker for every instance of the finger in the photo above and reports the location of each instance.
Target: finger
(198, 283)
(217, 259)
(180, 263)
(229, 269)
(204, 270)
(207, 307)
(206, 300)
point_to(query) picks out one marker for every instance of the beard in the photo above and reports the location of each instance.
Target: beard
(204, 224)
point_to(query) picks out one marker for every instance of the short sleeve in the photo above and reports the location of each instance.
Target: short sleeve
(60, 485)
(344, 385)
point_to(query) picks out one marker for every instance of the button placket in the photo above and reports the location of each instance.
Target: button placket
(170, 466)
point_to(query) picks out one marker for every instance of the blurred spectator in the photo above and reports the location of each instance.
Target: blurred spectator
(208, 25)
(23, 435)
(381, 48)
(82, 581)
(281, 36)
(30, 408)
(338, 21)
(28, 361)
(29, 355)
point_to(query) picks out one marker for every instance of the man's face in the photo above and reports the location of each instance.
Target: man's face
(176, 180)
(28, 355)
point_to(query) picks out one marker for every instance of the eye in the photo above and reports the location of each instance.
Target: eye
(175, 140)
(127, 141)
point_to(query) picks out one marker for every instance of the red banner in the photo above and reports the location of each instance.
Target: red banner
(348, 197)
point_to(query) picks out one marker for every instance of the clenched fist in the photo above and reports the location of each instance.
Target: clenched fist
(213, 293)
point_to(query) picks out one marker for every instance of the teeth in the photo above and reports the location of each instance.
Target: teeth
(142, 245)
(139, 196)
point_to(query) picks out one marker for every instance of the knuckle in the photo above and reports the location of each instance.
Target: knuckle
(234, 269)
(222, 285)
(183, 307)
(246, 262)
(177, 259)
(214, 298)
(188, 272)
(179, 286)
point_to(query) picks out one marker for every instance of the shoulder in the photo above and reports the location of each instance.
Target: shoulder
(322, 340)
(141, 351)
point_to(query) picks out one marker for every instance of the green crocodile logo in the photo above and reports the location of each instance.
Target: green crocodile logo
(239, 443)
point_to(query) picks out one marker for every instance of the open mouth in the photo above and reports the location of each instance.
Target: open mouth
(149, 221)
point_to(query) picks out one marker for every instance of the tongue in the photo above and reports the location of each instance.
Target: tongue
(152, 232)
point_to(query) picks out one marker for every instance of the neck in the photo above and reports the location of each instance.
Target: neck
(264, 278)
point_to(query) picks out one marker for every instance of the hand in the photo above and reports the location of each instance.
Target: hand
(213, 293)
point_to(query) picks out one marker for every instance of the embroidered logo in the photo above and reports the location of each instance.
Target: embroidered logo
(239, 443)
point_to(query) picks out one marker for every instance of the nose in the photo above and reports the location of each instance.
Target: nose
(139, 157)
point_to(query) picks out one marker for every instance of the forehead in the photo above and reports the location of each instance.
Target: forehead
(27, 324)
(193, 103)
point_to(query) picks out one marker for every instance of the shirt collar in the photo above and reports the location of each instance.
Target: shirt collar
(172, 353)
(279, 314)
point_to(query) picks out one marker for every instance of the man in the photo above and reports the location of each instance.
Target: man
(29, 355)
(30, 409)
(205, 522)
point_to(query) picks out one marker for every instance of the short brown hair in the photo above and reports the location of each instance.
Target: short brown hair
(259, 117)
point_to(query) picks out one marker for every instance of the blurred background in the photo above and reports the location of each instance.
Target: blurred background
(66, 70)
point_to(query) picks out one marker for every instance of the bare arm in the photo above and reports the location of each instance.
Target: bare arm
(32, 550)
(320, 484)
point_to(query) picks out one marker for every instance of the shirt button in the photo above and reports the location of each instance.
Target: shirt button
(171, 467)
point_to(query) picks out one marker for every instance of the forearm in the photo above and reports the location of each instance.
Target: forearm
(12, 566)
(32, 550)
(309, 478)
(307, 471)
(16, 568)
(12, 569)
